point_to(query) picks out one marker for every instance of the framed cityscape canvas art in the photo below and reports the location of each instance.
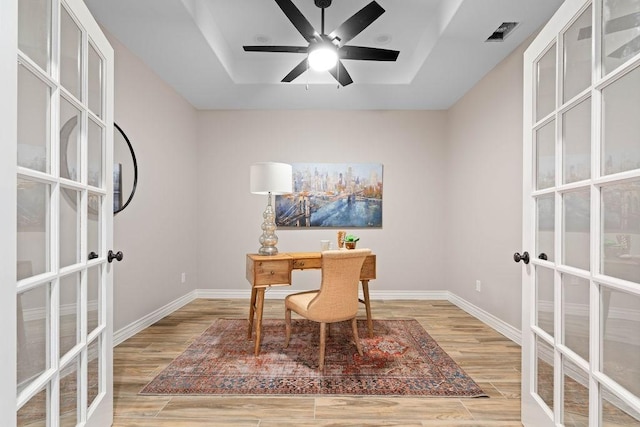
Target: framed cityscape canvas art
(339, 195)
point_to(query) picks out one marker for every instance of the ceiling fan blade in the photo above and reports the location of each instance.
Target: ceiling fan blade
(297, 70)
(291, 49)
(358, 22)
(298, 20)
(341, 74)
(368, 53)
(626, 50)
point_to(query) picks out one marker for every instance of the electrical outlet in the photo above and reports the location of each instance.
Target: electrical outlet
(478, 285)
(183, 277)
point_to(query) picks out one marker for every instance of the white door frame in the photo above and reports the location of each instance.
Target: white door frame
(8, 136)
(101, 412)
(534, 410)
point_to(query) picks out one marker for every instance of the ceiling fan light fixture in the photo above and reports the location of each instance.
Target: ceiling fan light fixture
(323, 58)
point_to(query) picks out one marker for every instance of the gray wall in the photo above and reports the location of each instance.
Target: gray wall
(484, 197)
(410, 145)
(157, 232)
(452, 191)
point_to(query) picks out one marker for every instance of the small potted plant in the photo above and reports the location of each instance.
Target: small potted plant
(350, 241)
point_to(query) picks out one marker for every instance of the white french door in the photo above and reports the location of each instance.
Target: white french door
(581, 223)
(62, 150)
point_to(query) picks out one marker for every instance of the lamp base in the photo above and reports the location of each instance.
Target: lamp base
(268, 240)
(268, 250)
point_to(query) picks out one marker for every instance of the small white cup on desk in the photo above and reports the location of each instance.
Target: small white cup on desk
(325, 245)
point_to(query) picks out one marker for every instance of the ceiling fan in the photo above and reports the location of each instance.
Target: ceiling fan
(332, 46)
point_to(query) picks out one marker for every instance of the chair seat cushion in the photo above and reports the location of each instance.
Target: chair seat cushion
(299, 302)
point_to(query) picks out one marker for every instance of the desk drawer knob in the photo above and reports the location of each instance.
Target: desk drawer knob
(302, 264)
(273, 272)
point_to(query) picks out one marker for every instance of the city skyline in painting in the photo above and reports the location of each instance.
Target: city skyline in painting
(332, 195)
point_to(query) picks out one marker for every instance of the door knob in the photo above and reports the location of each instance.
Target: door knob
(92, 255)
(117, 256)
(524, 257)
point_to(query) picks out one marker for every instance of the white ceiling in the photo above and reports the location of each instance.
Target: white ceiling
(196, 47)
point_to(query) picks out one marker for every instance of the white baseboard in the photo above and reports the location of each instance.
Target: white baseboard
(499, 325)
(281, 293)
(133, 328)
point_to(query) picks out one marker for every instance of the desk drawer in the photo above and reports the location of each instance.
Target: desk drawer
(304, 263)
(272, 272)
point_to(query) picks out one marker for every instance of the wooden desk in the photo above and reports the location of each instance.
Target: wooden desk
(265, 271)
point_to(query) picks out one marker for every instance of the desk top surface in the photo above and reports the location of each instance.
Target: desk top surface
(288, 255)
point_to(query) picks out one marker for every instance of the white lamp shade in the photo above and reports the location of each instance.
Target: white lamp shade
(271, 177)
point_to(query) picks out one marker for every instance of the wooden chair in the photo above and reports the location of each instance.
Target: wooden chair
(337, 298)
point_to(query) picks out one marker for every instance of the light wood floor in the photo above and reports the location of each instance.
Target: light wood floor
(492, 360)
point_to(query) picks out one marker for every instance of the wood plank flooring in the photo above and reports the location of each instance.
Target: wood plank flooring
(492, 360)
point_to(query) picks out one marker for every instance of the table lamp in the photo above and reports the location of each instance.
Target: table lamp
(270, 178)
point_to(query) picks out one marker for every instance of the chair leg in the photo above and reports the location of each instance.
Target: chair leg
(323, 342)
(354, 327)
(287, 318)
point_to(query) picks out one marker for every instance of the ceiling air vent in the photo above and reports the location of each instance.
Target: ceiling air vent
(502, 31)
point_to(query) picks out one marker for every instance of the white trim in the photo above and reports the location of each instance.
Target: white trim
(133, 328)
(40, 313)
(281, 293)
(499, 325)
(492, 321)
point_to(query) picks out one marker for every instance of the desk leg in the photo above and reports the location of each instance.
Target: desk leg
(252, 311)
(259, 307)
(367, 306)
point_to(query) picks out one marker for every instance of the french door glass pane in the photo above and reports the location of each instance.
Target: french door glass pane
(69, 312)
(33, 334)
(576, 140)
(621, 127)
(93, 223)
(93, 298)
(33, 228)
(69, 394)
(618, 414)
(95, 151)
(545, 225)
(69, 227)
(70, 119)
(621, 32)
(576, 395)
(544, 372)
(575, 309)
(544, 302)
(70, 54)
(621, 231)
(34, 412)
(93, 370)
(576, 232)
(95, 82)
(545, 156)
(34, 30)
(546, 83)
(620, 332)
(34, 148)
(577, 56)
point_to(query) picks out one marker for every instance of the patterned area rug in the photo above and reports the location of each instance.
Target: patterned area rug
(401, 360)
